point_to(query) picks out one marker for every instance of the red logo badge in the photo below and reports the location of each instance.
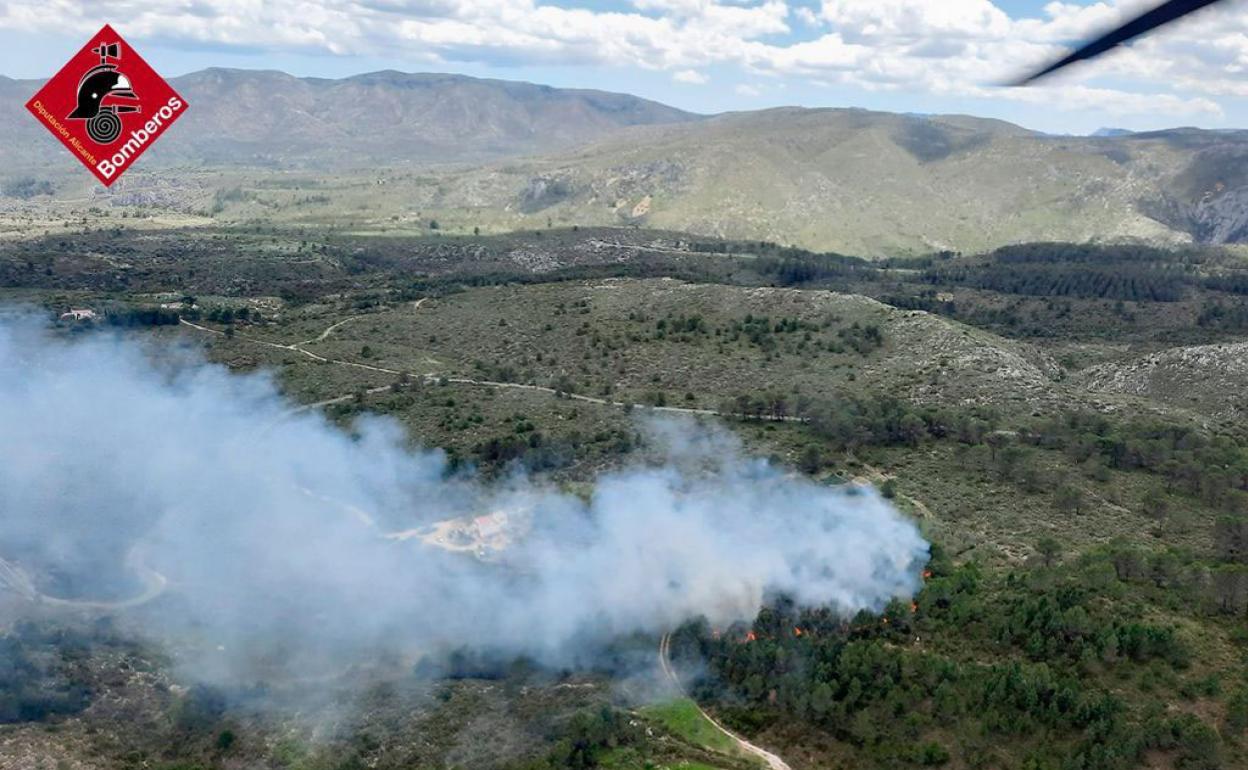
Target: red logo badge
(107, 105)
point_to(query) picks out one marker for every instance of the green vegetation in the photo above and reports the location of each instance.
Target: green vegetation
(1086, 608)
(1052, 666)
(681, 717)
(1129, 273)
(41, 673)
(26, 187)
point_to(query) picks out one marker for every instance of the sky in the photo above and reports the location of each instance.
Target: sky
(925, 56)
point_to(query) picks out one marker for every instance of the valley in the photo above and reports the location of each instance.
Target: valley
(1026, 424)
(556, 429)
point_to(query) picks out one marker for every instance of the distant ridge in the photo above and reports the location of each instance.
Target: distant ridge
(871, 183)
(270, 118)
(505, 155)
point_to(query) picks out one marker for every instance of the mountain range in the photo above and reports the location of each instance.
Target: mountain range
(268, 118)
(516, 155)
(869, 183)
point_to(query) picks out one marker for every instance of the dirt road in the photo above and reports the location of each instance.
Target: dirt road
(294, 349)
(771, 760)
(434, 378)
(154, 584)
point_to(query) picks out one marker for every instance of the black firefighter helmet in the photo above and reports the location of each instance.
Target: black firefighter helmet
(102, 82)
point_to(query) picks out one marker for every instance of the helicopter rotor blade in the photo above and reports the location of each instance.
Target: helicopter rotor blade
(1167, 12)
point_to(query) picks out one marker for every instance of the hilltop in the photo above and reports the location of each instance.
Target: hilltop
(272, 119)
(867, 183)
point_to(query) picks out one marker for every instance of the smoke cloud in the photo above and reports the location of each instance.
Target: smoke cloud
(124, 480)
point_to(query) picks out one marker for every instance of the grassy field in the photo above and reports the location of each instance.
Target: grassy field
(681, 717)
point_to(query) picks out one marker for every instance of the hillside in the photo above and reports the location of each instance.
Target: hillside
(868, 183)
(1207, 378)
(265, 118)
(389, 151)
(1086, 592)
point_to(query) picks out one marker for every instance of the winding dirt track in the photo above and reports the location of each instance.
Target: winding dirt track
(154, 584)
(293, 348)
(773, 762)
(435, 378)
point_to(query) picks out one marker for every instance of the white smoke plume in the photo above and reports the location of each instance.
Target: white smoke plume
(263, 528)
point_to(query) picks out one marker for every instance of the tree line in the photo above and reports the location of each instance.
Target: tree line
(979, 667)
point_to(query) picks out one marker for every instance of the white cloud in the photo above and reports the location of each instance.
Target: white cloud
(692, 77)
(965, 47)
(745, 89)
(806, 16)
(746, 21)
(955, 48)
(916, 19)
(1112, 102)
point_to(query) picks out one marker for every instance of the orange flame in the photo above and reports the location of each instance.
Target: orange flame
(927, 574)
(914, 607)
(751, 637)
(797, 632)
